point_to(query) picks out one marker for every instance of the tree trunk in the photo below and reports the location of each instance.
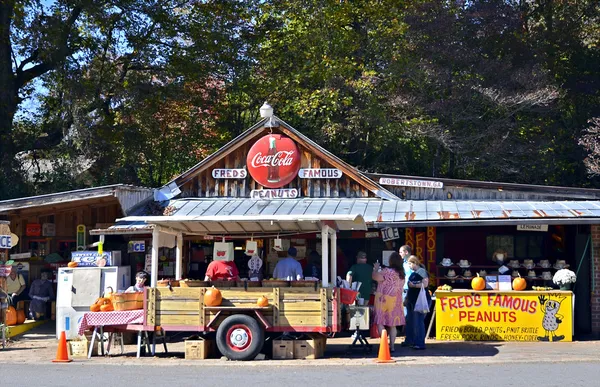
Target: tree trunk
(8, 103)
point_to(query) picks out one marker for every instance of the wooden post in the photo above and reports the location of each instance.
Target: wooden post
(334, 257)
(325, 255)
(154, 271)
(178, 256)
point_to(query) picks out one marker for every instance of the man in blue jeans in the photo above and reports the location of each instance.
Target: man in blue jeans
(415, 319)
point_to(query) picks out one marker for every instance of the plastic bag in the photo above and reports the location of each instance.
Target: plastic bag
(422, 306)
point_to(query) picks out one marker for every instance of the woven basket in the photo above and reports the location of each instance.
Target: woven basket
(223, 284)
(275, 284)
(128, 301)
(194, 283)
(163, 283)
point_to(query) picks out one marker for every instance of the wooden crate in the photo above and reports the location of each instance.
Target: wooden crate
(199, 349)
(80, 348)
(283, 349)
(311, 348)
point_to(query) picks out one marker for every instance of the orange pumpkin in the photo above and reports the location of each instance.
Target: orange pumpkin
(262, 301)
(107, 308)
(72, 264)
(95, 308)
(478, 283)
(213, 297)
(519, 283)
(11, 316)
(20, 316)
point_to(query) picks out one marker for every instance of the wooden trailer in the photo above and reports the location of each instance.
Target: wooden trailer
(240, 325)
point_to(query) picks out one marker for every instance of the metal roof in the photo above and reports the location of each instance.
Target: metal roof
(127, 195)
(237, 216)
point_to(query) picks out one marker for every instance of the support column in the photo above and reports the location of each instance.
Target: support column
(154, 271)
(595, 283)
(333, 257)
(325, 256)
(178, 256)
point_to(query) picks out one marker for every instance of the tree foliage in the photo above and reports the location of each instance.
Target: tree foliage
(137, 91)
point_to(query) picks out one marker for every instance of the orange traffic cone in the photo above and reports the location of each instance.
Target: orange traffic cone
(384, 349)
(62, 356)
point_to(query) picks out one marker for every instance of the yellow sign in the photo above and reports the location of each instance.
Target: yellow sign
(504, 316)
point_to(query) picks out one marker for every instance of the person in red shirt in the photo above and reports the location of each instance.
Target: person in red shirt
(221, 270)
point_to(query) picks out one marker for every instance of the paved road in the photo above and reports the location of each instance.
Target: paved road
(399, 374)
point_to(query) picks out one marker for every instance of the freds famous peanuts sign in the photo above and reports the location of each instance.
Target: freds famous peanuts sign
(511, 316)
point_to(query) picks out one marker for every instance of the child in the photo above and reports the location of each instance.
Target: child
(140, 282)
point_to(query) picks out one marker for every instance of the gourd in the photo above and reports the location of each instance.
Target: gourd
(213, 297)
(95, 308)
(11, 316)
(519, 283)
(72, 264)
(478, 283)
(107, 307)
(262, 301)
(20, 316)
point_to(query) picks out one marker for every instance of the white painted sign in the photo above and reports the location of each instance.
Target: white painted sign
(136, 247)
(390, 233)
(21, 256)
(532, 227)
(371, 234)
(48, 229)
(5, 242)
(229, 173)
(411, 183)
(284, 193)
(319, 173)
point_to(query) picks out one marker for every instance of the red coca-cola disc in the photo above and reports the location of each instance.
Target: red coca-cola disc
(273, 161)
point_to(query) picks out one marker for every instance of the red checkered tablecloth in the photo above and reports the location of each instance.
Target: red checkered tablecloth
(123, 317)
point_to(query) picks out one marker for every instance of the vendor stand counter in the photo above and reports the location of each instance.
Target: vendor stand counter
(493, 315)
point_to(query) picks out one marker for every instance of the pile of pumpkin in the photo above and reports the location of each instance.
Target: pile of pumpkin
(518, 283)
(103, 304)
(14, 317)
(213, 297)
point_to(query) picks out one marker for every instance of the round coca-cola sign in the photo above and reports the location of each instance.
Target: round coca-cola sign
(273, 161)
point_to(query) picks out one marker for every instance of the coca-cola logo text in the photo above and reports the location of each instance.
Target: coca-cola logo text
(273, 161)
(280, 159)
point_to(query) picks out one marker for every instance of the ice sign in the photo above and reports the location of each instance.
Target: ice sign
(5, 242)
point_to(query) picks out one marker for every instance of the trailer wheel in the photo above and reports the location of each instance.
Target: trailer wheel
(240, 337)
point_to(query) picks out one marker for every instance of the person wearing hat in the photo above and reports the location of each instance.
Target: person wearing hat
(15, 286)
(289, 269)
(361, 271)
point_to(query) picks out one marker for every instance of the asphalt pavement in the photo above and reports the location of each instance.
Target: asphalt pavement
(39, 346)
(326, 375)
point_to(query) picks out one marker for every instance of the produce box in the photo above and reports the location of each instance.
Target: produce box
(312, 348)
(283, 349)
(80, 348)
(199, 349)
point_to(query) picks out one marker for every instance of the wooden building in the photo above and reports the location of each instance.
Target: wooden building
(272, 182)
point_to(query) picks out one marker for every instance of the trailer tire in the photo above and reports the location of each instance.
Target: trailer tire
(240, 337)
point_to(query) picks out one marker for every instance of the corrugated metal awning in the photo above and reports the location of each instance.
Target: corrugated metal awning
(470, 213)
(244, 216)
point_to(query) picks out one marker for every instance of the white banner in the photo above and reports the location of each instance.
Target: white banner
(532, 227)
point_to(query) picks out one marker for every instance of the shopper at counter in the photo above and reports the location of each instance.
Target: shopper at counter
(222, 270)
(389, 312)
(362, 272)
(288, 269)
(415, 321)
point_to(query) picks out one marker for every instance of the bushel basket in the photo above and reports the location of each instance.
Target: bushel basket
(128, 301)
